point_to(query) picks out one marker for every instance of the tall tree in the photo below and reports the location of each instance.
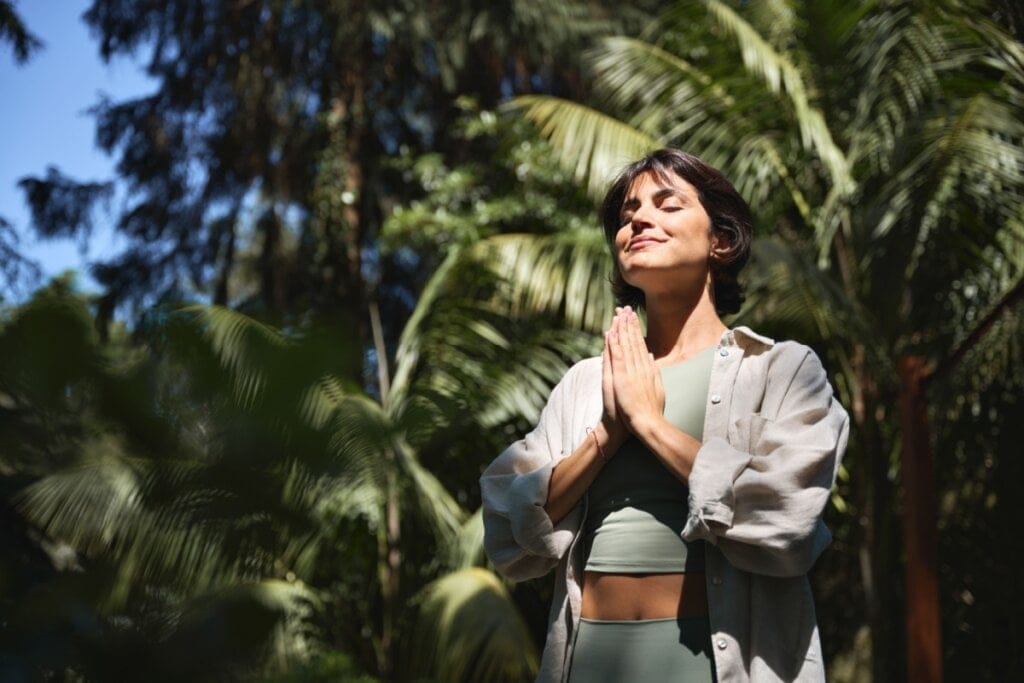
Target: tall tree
(15, 269)
(255, 171)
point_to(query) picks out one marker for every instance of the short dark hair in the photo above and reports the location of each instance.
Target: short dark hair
(731, 222)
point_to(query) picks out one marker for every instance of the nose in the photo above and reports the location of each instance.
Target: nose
(640, 219)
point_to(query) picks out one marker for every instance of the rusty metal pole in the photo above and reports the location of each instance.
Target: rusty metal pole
(920, 533)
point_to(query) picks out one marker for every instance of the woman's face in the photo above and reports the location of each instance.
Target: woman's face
(664, 237)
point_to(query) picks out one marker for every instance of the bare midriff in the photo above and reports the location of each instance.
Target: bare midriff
(628, 597)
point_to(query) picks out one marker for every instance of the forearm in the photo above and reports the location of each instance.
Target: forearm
(676, 449)
(573, 475)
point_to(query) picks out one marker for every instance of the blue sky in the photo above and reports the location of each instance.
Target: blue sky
(44, 121)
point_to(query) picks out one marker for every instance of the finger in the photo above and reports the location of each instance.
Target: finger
(640, 344)
(629, 351)
(615, 345)
(637, 346)
(606, 354)
(606, 364)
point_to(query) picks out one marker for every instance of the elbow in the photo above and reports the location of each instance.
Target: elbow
(516, 565)
(783, 556)
(508, 555)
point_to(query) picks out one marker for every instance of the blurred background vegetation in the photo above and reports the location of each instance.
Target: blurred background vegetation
(362, 245)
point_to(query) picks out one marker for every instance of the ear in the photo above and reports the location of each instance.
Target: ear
(721, 249)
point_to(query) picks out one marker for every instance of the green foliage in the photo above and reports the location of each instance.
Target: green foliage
(274, 470)
(470, 631)
(223, 493)
(504, 181)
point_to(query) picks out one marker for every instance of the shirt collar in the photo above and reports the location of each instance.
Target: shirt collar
(729, 336)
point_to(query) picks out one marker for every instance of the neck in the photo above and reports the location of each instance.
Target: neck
(680, 324)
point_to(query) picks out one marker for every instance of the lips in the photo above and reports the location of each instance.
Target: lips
(641, 242)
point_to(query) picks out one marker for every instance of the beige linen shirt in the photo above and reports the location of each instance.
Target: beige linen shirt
(774, 435)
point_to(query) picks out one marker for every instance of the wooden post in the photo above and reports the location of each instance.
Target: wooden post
(924, 633)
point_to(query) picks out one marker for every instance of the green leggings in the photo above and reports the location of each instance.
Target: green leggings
(676, 649)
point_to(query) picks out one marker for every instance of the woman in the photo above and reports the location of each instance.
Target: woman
(678, 481)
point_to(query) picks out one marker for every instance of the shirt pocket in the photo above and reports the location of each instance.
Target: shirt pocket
(746, 434)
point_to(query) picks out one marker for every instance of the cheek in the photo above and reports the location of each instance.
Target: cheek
(621, 240)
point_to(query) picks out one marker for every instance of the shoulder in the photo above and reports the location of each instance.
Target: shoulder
(580, 377)
(586, 367)
(783, 368)
(783, 357)
(577, 382)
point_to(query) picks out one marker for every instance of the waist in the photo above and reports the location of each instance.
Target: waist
(628, 597)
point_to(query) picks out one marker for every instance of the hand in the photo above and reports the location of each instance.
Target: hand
(611, 419)
(639, 395)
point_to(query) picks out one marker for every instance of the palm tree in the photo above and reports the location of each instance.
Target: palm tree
(254, 488)
(881, 146)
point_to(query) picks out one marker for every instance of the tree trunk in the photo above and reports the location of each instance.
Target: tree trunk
(221, 294)
(874, 495)
(389, 567)
(924, 634)
(272, 273)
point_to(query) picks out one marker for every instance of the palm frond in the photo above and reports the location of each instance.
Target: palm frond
(969, 159)
(789, 292)
(409, 344)
(905, 62)
(552, 274)
(436, 505)
(471, 631)
(84, 505)
(244, 347)
(591, 145)
(468, 549)
(677, 102)
(782, 76)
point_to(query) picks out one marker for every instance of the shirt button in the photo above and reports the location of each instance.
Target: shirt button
(717, 581)
(723, 352)
(721, 643)
(715, 398)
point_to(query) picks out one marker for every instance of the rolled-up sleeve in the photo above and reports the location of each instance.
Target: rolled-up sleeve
(760, 495)
(519, 537)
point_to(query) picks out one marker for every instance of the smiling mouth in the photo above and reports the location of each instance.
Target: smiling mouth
(641, 243)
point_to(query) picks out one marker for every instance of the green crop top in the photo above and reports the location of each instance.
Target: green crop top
(637, 507)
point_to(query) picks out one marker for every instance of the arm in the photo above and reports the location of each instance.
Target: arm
(530, 495)
(520, 538)
(573, 476)
(760, 496)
